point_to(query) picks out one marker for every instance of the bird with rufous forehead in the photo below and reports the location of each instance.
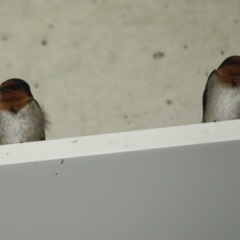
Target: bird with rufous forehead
(221, 97)
(21, 117)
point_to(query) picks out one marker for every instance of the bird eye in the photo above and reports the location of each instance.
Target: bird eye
(15, 87)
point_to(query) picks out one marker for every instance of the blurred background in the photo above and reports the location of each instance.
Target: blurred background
(101, 66)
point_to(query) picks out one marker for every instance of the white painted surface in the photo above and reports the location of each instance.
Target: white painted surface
(121, 142)
(176, 183)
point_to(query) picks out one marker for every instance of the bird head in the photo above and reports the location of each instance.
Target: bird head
(14, 89)
(230, 65)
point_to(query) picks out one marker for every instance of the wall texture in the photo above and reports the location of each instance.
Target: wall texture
(102, 66)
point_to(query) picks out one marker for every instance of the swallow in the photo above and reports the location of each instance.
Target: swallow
(221, 97)
(21, 117)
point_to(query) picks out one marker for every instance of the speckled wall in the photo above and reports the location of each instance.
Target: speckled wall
(101, 66)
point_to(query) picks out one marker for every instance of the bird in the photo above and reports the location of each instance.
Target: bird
(221, 97)
(21, 117)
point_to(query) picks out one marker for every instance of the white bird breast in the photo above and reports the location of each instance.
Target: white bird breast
(223, 102)
(15, 126)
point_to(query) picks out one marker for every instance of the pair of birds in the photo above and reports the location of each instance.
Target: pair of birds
(23, 120)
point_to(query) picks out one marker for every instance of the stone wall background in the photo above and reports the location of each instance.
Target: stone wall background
(101, 66)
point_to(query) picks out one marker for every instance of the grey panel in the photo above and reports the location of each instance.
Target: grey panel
(182, 193)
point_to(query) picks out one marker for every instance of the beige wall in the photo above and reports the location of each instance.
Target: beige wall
(94, 67)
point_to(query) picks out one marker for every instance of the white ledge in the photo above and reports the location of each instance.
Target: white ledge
(120, 142)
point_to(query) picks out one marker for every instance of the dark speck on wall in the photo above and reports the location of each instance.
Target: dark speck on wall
(36, 85)
(50, 25)
(126, 118)
(168, 102)
(56, 174)
(185, 46)
(4, 38)
(158, 55)
(62, 161)
(222, 52)
(44, 42)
